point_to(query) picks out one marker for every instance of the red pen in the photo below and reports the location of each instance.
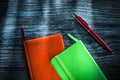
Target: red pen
(22, 30)
(92, 32)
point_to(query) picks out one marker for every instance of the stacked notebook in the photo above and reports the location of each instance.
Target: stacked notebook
(39, 52)
(76, 63)
(47, 60)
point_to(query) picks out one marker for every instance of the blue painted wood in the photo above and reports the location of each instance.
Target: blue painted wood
(46, 17)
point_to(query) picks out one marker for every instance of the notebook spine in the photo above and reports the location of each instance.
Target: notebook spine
(28, 60)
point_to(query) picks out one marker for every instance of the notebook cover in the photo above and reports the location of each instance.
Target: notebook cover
(39, 52)
(76, 63)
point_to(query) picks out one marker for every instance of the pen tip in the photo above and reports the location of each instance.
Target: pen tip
(110, 51)
(22, 27)
(74, 14)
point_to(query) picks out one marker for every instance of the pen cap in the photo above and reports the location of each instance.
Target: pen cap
(76, 63)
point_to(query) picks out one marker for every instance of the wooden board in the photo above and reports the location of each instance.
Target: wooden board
(45, 17)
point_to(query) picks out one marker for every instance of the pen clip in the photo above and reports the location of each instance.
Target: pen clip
(72, 37)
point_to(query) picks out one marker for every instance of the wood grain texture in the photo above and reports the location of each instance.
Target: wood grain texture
(46, 17)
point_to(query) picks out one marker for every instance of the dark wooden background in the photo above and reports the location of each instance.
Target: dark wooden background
(46, 17)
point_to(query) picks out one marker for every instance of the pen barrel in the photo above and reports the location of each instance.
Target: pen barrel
(82, 22)
(92, 32)
(98, 38)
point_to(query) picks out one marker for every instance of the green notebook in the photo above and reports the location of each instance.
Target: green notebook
(76, 63)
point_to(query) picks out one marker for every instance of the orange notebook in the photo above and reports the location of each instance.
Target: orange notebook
(39, 52)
